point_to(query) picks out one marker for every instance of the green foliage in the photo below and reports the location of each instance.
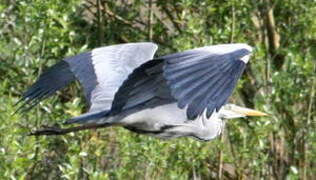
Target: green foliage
(35, 34)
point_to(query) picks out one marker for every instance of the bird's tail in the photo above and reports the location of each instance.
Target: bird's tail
(88, 118)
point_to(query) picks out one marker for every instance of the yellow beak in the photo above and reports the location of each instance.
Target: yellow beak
(247, 111)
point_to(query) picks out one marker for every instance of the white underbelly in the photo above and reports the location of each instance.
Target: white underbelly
(154, 118)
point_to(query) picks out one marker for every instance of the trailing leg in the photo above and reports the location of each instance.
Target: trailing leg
(61, 131)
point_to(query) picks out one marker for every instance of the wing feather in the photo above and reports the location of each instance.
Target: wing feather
(101, 72)
(144, 88)
(210, 82)
(199, 80)
(54, 79)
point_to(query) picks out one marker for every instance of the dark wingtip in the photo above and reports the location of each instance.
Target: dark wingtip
(54, 79)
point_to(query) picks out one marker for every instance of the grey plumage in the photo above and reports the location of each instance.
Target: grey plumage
(100, 72)
(204, 81)
(82, 68)
(57, 77)
(180, 94)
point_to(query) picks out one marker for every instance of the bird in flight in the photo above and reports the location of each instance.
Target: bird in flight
(183, 94)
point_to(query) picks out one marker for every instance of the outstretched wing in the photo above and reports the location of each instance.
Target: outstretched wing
(144, 88)
(101, 72)
(200, 79)
(204, 78)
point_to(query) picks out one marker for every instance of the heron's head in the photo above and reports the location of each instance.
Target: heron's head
(230, 111)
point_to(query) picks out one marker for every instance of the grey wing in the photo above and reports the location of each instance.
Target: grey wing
(203, 80)
(57, 77)
(197, 80)
(101, 72)
(145, 88)
(111, 66)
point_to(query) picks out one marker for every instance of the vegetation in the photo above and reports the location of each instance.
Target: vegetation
(279, 80)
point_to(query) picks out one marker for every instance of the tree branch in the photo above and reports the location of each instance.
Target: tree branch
(273, 35)
(150, 19)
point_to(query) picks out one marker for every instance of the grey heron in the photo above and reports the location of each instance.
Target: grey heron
(182, 94)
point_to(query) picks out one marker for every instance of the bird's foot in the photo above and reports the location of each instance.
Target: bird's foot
(55, 130)
(49, 130)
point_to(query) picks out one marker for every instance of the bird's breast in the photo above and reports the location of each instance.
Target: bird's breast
(169, 121)
(155, 118)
